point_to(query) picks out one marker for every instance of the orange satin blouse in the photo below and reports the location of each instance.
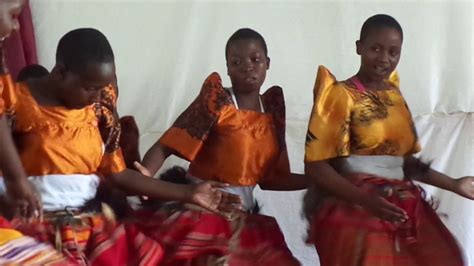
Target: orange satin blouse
(56, 140)
(225, 144)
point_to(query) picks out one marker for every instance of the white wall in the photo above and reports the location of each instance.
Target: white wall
(165, 49)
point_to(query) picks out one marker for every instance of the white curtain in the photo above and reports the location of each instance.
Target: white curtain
(165, 49)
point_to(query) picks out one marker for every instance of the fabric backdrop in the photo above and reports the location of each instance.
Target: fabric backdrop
(165, 49)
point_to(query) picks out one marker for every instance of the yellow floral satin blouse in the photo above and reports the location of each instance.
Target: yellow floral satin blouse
(346, 120)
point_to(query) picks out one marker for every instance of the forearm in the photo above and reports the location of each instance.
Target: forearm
(292, 182)
(134, 183)
(155, 157)
(437, 179)
(323, 175)
(421, 172)
(10, 162)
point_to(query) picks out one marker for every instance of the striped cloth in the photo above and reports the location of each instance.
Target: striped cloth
(16, 249)
(346, 234)
(191, 236)
(92, 239)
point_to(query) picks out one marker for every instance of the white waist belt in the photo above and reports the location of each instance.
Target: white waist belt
(390, 167)
(61, 191)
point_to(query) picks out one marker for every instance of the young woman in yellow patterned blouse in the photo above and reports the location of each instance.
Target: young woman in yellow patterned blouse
(359, 152)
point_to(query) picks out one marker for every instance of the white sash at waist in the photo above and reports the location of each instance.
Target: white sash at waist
(61, 191)
(390, 167)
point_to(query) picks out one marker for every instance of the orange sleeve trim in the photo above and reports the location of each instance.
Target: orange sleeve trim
(181, 143)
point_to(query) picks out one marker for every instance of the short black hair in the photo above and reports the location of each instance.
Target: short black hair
(80, 47)
(176, 174)
(377, 22)
(246, 34)
(34, 71)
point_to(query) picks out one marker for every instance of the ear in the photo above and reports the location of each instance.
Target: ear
(358, 47)
(227, 65)
(268, 62)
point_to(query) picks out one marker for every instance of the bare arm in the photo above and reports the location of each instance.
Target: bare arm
(9, 159)
(293, 182)
(205, 194)
(155, 157)
(323, 174)
(419, 171)
(135, 183)
(26, 201)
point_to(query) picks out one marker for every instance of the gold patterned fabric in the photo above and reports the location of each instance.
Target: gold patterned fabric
(346, 120)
